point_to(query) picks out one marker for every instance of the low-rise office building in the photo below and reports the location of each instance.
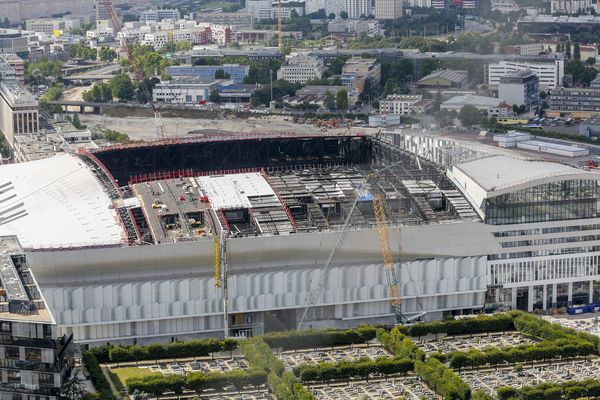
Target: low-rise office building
(18, 110)
(520, 88)
(356, 71)
(404, 104)
(185, 90)
(493, 107)
(574, 102)
(235, 72)
(301, 68)
(550, 73)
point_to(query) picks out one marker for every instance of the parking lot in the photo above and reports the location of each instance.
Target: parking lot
(464, 343)
(409, 387)
(333, 355)
(490, 380)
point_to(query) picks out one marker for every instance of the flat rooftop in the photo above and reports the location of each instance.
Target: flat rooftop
(23, 299)
(16, 94)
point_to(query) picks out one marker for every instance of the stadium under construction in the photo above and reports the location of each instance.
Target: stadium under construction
(141, 242)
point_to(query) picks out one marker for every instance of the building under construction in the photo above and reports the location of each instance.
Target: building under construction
(142, 242)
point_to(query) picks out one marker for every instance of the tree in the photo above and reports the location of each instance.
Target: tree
(122, 87)
(77, 122)
(343, 15)
(429, 65)
(329, 101)
(221, 74)
(341, 99)
(469, 115)
(137, 395)
(72, 389)
(331, 16)
(106, 54)
(214, 97)
(437, 102)
(576, 51)
(568, 50)
(100, 93)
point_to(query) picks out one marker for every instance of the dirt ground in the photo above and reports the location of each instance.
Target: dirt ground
(144, 128)
(75, 93)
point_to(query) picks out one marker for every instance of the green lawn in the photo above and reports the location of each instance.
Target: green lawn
(119, 376)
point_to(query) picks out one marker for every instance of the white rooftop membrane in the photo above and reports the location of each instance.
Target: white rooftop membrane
(56, 202)
(233, 191)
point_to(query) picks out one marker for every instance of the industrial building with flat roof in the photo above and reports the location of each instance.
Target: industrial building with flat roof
(122, 240)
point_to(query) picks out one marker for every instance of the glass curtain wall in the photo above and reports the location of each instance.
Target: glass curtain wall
(553, 201)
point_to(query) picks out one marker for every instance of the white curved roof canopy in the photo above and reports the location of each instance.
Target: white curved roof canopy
(495, 175)
(56, 202)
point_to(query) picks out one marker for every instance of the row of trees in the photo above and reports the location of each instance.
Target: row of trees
(90, 360)
(283, 384)
(311, 338)
(589, 388)
(347, 369)
(399, 344)
(546, 350)
(483, 323)
(79, 50)
(158, 384)
(442, 379)
(193, 348)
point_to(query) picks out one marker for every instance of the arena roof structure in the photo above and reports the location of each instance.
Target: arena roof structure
(56, 202)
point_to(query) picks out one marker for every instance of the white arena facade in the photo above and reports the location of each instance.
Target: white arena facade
(122, 241)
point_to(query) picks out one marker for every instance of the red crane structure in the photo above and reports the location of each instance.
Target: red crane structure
(137, 73)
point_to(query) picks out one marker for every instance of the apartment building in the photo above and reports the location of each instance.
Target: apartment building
(520, 88)
(574, 102)
(157, 15)
(404, 104)
(33, 362)
(388, 9)
(359, 8)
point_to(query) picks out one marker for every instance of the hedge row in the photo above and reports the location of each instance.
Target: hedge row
(442, 379)
(196, 381)
(399, 344)
(545, 350)
(97, 377)
(259, 355)
(287, 387)
(347, 369)
(479, 324)
(537, 327)
(589, 388)
(192, 348)
(311, 338)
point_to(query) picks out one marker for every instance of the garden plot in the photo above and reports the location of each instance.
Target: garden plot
(490, 380)
(449, 344)
(180, 367)
(332, 355)
(409, 387)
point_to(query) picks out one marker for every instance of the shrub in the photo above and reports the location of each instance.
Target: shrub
(287, 387)
(399, 344)
(589, 388)
(97, 377)
(480, 324)
(259, 355)
(442, 379)
(193, 348)
(346, 369)
(291, 340)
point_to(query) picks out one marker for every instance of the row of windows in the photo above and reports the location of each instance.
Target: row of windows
(539, 253)
(537, 242)
(553, 201)
(539, 270)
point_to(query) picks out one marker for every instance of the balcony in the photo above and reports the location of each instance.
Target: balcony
(28, 389)
(28, 365)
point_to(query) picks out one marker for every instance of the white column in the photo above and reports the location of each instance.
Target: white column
(545, 297)
(591, 293)
(513, 298)
(530, 299)
(554, 295)
(570, 294)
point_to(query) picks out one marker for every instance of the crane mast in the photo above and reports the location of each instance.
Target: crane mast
(279, 25)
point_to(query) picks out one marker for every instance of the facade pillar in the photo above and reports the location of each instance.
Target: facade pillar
(530, 298)
(554, 285)
(513, 298)
(591, 293)
(545, 297)
(570, 294)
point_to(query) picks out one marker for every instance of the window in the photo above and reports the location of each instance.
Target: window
(5, 327)
(554, 201)
(12, 353)
(46, 379)
(33, 354)
(13, 376)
